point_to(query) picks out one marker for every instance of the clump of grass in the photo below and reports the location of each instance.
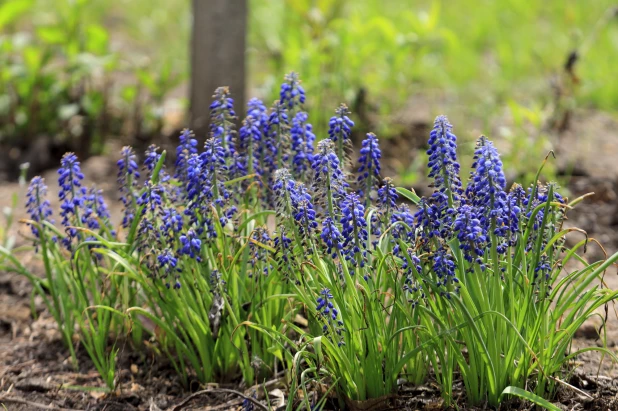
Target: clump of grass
(266, 250)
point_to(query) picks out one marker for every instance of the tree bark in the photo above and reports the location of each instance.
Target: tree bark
(217, 57)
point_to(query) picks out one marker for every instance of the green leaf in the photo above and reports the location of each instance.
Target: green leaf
(11, 10)
(529, 396)
(410, 195)
(51, 35)
(97, 39)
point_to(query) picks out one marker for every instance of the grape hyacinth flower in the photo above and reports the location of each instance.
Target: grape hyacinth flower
(277, 133)
(151, 198)
(168, 263)
(96, 210)
(283, 251)
(543, 269)
(486, 189)
(387, 203)
(172, 221)
(191, 245)
(340, 130)
(402, 214)
(128, 178)
(369, 169)
(150, 162)
(331, 237)
(37, 204)
(222, 118)
(257, 109)
(431, 219)
(470, 234)
(443, 165)
(327, 311)
(387, 195)
(305, 216)
(249, 139)
(302, 139)
(292, 94)
(411, 273)
(214, 165)
(512, 216)
(186, 147)
(259, 254)
(444, 268)
(71, 194)
(328, 179)
(354, 231)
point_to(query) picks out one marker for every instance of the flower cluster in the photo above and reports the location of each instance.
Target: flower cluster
(369, 166)
(37, 204)
(257, 241)
(340, 130)
(292, 94)
(330, 315)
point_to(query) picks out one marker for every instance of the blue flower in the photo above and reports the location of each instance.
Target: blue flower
(292, 94)
(387, 195)
(471, 235)
(259, 254)
(444, 268)
(535, 198)
(512, 215)
(402, 214)
(283, 251)
(443, 165)
(172, 220)
(150, 162)
(71, 194)
(412, 271)
(369, 169)
(186, 147)
(331, 237)
(37, 204)
(222, 117)
(486, 188)
(330, 315)
(340, 130)
(167, 264)
(249, 144)
(434, 218)
(191, 245)
(305, 216)
(277, 133)
(95, 210)
(285, 192)
(258, 111)
(328, 179)
(214, 166)
(128, 179)
(354, 231)
(302, 139)
(151, 198)
(543, 269)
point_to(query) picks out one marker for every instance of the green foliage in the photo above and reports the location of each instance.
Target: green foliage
(59, 79)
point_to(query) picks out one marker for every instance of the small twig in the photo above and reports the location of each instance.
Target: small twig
(577, 390)
(34, 404)
(179, 406)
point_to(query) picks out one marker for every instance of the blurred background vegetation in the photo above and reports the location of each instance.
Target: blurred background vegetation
(76, 72)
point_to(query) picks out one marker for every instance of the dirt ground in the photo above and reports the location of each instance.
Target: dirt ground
(34, 365)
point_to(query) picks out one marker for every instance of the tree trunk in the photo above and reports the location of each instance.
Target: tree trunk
(217, 57)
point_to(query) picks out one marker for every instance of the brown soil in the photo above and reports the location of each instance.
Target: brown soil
(35, 371)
